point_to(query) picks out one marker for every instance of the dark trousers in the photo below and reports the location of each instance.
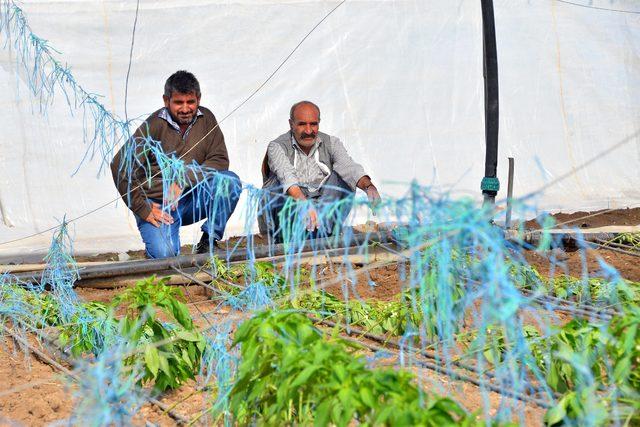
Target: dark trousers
(282, 219)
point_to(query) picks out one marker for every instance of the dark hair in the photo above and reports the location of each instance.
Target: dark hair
(181, 82)
(298, 104)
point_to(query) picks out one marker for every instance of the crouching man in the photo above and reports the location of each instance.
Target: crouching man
(174, 171)
(307, 165)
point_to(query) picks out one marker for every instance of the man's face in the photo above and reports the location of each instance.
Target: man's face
(182, 106)
(305, 124)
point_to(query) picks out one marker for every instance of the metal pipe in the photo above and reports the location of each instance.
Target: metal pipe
(507, 222)
(195, 260)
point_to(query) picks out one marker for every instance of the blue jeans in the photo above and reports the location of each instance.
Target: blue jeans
(332, 215)
(194, 205)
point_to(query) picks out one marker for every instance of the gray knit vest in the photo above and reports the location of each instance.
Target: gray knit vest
(269, 177)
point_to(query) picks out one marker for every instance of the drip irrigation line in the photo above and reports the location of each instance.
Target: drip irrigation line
(37, 353)
(461, 377)
(600, 244)
(197, 281)
(395, 344)
(586, 306)
(605, 313)
(233, 111)
(566, 306)
(605, 9)
(186, 289)
(621, 246)
(560, 304)
(592, 315)
(179, 419)
(386, 342)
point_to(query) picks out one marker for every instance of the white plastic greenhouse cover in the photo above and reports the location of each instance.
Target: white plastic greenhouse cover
(400, 82)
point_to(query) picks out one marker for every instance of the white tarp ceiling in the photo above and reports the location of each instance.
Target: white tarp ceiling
(399, 81)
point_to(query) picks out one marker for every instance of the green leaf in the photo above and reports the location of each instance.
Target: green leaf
(367, 397)
(152, 359)
(304, 375)
(556, 414)
(188, 336)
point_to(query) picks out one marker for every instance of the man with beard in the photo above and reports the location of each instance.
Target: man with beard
(174, 171)
(305, 164)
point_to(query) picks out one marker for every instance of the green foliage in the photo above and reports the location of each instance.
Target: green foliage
(89, 330)
(576, 337)
(376, 317)
(493, 343)
(608, 356)
(290, 374)
(261, 271)
(624, 349)
(581, 406)
(629, 239)
(171, 353)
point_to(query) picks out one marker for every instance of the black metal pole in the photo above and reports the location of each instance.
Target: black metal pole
(193, 260)
(490, 184)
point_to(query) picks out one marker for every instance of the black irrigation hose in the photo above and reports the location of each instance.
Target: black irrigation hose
(395, 344)
(601, 244)
(196, 260)
(584, 309)
(37, 353)
(620, 245)
(590, 308)
(198, 281)
(461, 377)
(435, 367)
(569, 308)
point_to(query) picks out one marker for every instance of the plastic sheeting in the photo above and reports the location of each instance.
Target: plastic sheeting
(400, 82)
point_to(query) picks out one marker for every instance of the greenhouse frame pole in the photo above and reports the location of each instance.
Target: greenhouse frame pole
(490, 184)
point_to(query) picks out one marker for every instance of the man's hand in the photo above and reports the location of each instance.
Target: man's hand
(365, 184)
(174, 196)
(373, 196)
(312, 219)
(311, 214)
(157, 216)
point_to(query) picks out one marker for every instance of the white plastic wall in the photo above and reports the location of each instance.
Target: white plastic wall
(400, 82)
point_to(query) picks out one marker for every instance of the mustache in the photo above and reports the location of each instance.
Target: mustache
(308, 135)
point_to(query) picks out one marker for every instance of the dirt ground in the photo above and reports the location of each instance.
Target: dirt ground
(33, 393)
(573, 263)
(601, 218)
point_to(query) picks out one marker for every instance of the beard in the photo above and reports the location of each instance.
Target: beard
(184, 119)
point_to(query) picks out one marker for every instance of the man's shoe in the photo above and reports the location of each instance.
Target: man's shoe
(203, 245)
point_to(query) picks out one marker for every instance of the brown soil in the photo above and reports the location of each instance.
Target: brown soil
(572, 263)
(382, 284)
(31, 392)
(601, 218)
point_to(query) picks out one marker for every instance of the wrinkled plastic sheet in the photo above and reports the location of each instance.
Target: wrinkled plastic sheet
(400, 82)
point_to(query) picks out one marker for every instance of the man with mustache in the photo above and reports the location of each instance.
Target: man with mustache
(306, 164)
(174, 171)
